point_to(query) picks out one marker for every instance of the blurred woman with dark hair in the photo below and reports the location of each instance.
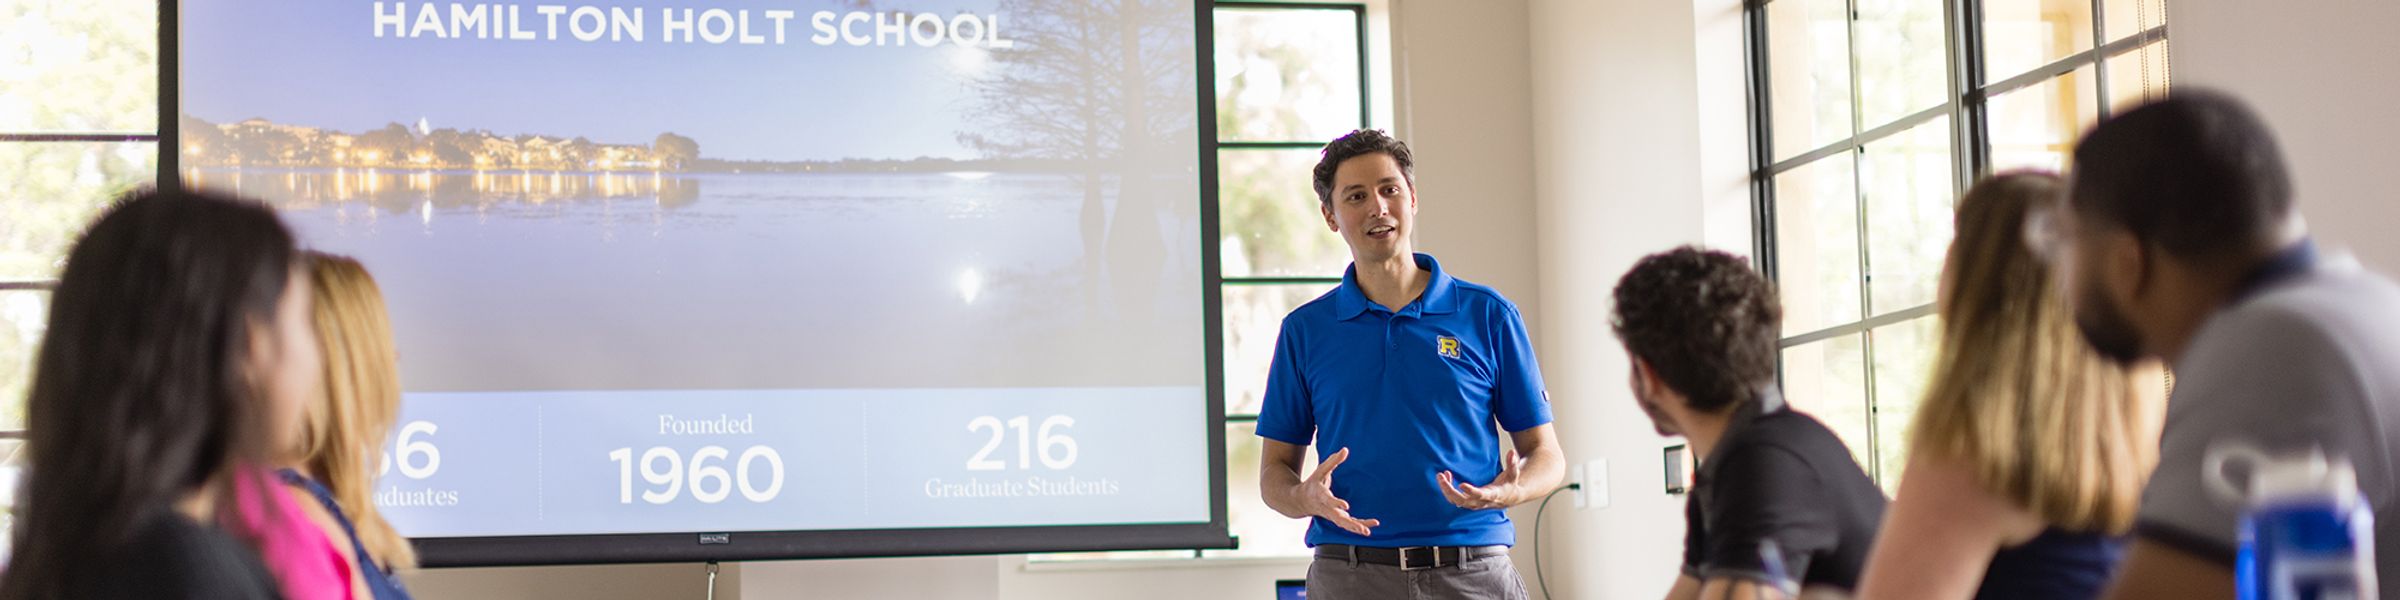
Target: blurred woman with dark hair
(178, 339)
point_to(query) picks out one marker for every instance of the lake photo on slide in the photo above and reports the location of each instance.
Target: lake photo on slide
(528, 280)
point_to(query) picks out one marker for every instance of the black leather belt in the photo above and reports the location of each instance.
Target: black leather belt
(1413, 558)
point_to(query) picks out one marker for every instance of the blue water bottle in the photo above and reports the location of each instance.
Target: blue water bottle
(2306, 533)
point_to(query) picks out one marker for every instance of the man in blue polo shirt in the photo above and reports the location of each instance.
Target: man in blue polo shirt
(1403, 376)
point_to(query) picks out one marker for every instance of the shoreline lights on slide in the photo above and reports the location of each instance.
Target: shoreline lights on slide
(683, 25)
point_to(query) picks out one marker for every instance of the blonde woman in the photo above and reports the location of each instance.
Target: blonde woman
(2028, 454)
(344, 432)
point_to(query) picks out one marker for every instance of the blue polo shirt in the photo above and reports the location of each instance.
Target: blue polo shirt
(1411, 394)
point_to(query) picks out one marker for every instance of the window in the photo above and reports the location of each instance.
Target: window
(1289, 78)
(1868, 119)
(89, 134)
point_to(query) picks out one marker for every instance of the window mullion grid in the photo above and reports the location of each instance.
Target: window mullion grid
(1231, 418)
(1758, 80)
(1858, 197)
(32, 285)
(1970, 119)
(1869, 136)
(1234, 145)
(2100, 58)
(162, 136)
(1853, 327)
(1280, 5)
(1219, 147)
(1762, 141)
(57, 137)
(1365, 107)
(1969, 108)
(2040, 75)
(170, 98)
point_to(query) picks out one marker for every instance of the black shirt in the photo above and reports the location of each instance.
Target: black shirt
(1781, 475)
(173, 557)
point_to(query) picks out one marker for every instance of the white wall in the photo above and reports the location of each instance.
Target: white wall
(1636, 152)
(959, 578)
(1464, 84)
(2325, 73)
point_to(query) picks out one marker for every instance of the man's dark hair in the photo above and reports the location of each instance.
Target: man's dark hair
(2198, 174)
(1704, 321)
(1356, 144)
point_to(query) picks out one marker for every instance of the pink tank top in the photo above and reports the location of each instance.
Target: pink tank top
(303, 558)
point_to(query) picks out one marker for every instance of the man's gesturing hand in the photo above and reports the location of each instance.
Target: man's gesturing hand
(1316, 496)
(1502, 492)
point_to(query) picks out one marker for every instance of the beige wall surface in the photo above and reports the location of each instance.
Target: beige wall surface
(2325, 73)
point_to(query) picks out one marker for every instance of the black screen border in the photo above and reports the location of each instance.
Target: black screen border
(688, 547)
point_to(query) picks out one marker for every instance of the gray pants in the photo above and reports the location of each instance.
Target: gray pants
(1487, 578)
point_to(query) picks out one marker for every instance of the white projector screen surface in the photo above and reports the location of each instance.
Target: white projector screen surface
(690, 268)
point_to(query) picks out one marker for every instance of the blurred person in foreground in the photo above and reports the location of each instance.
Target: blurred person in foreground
(2180, 240)
(2028, 451)
(177, 334)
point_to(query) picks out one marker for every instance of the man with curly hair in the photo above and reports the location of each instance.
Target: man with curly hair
(1778, 505)
(1402, 378)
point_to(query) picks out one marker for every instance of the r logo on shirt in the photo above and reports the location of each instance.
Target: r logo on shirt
(1448, 346)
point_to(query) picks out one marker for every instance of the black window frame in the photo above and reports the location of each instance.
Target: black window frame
(1217, 146)
(160, 135)
(1967, 105)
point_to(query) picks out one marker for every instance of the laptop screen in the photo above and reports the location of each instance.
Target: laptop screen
(1291, 589)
